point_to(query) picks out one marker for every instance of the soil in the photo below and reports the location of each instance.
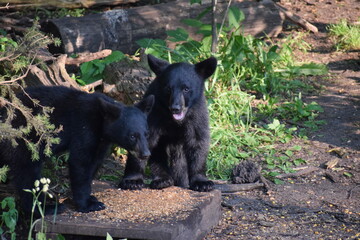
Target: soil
(315, 205)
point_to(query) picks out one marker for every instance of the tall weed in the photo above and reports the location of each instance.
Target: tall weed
(345, 35)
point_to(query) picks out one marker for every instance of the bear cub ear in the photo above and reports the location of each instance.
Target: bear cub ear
(109, 109)
(146, 104)
(206, 68)
(157, 65)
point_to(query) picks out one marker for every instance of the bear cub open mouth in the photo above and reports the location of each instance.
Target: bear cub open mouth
(179, 115)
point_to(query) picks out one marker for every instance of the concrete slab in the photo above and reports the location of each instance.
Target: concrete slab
(172, 214)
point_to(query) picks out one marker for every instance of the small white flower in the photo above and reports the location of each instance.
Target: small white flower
(45, 188)
(43, 180)
(50, 195)
(37, 183)
(37, 189)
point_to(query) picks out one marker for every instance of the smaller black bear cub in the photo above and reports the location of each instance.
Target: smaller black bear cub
(179, 128)
(91, 123)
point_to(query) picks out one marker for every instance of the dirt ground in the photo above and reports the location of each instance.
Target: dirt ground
(321, 204)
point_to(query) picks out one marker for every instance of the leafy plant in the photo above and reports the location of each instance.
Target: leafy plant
(9, 217)
(93, 70)
(15, 60)
(345, 35)
(40, 189)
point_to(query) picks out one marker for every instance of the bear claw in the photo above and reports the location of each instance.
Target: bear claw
(131, 184)
(161, 183)
(202, 186)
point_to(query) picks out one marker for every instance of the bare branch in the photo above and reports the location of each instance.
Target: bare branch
(7, 6)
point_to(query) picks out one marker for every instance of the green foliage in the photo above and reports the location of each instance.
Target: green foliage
(3, 173)
(230, 119)
(15, 59)
(93, 70)
(248, 68)
(345, 35)
(60, 12)
(8, 217)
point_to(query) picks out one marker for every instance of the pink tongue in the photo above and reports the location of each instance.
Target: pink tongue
(178, 116)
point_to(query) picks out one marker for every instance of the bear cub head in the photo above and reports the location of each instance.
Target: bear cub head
(127, 125)
(180, 85)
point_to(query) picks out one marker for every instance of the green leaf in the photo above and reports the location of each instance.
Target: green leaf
(273, 174)
(278, 181)
(177, 35)
(289, 153)
(60, 237)
(296, 148)
(309, 69)
(274, 125)
(347, 174)
(205, 30)
(108, 237)
(192, 22)
(235, 16)
(81, 82)
(148, 42)
(115, 56)
(40, 236)
(299, 161)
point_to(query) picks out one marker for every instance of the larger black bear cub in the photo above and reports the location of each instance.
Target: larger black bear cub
(179, 128)
(91, 123)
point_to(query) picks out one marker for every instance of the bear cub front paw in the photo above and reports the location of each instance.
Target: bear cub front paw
(202, 186)
(92, 204)
(132, 184)
(161, 183)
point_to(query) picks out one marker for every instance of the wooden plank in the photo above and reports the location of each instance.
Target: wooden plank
(190, 221)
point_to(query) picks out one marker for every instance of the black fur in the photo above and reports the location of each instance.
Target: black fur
(179, 128)
(91, 123)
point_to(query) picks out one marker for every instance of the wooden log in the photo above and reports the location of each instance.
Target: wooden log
(87, 57)
(119, 29)
(55, 74)
(297, 19)
(17, 4)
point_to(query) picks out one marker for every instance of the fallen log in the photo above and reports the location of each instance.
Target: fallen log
(231, 188)
(17, 4)
(120, 29)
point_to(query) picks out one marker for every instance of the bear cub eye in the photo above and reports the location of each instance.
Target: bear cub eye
(186, 89)
(132, 137)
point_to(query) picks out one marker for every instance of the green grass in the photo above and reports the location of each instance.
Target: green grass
(345, 35)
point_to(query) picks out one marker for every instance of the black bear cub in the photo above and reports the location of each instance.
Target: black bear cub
(179, 128)
(91, 124)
